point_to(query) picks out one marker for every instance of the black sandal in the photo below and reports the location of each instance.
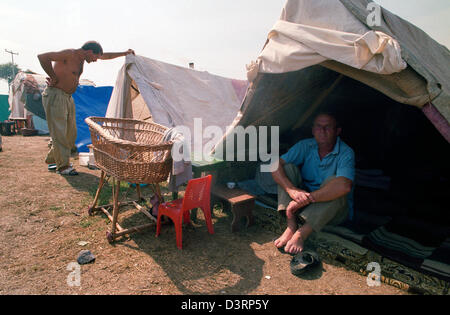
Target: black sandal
(304, 261)
(68, 172)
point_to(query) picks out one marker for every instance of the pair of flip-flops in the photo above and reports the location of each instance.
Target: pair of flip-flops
(70, 171)
(303, 262)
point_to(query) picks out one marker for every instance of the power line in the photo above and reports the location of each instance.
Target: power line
(12, 58)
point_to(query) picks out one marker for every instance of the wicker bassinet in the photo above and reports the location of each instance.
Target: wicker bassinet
(131, 150)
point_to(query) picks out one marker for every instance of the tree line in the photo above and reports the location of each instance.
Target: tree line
(6, 71)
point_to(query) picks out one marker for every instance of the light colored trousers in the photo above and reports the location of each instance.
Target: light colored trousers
(318, 214)
(60, 111)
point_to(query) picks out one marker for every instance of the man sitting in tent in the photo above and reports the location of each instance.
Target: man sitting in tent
(314, 178)
(64, 76)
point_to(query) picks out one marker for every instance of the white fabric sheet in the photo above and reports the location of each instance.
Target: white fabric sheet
(310, 32)
(176, 96)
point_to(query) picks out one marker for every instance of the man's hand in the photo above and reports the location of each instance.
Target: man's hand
(302, 197)
(51, 82)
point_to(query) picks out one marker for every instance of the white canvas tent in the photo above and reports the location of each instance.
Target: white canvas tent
(173, 95)
(18, 93)
(395, 58)
(389, 86)
(29, 85)
(25, 99)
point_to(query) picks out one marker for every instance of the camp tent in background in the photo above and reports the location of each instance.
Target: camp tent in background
(25, 100)
(173, 95)
(319, 48)
(389, 87)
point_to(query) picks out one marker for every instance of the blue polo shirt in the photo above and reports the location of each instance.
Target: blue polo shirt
(339, 162)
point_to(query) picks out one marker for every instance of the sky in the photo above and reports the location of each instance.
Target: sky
(219, 36)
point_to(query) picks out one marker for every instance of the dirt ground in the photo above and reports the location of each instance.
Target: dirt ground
(43, 219)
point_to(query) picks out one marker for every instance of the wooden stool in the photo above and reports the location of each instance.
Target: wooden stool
(238, 201)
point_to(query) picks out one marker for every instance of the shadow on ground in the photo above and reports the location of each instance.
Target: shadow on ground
(224, 262)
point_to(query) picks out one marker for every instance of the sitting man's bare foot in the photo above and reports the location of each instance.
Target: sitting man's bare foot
(291, 225)
(284, 238)
(295, 244)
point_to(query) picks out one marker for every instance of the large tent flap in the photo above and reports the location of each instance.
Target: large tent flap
(121, 94)
(175, 95)
(386, 58)
(426, 56)
(308, 34)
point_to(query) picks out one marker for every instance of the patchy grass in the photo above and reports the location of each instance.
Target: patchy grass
(44, 217)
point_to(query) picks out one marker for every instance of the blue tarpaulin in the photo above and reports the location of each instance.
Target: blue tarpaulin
(89, 101)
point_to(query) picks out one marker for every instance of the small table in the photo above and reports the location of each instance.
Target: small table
(238, 201)
(198, 167)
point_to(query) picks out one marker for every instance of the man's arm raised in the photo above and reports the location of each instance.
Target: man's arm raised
(112, 55)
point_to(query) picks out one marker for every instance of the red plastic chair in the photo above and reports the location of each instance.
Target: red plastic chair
(197, 195)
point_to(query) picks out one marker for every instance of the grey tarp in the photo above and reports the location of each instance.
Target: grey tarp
(422, 53)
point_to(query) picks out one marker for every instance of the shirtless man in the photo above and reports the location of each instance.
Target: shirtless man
(314, 179)
(64, 69)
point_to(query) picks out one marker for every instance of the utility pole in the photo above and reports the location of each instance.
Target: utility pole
(12, 58)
